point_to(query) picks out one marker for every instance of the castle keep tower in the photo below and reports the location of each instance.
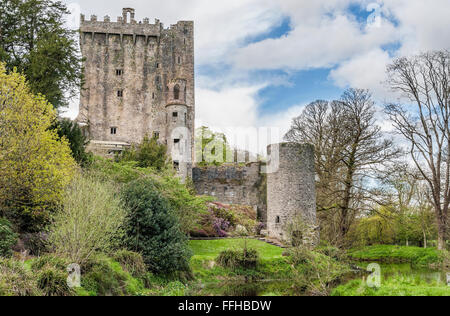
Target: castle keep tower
(139, 80)
(291, 193)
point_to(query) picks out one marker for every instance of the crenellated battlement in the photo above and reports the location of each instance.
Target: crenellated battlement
(122, 26)
(125, 25)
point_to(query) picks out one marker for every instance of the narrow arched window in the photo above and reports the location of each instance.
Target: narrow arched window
(176, 92)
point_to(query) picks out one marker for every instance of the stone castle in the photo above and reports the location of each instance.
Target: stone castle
(139, 80)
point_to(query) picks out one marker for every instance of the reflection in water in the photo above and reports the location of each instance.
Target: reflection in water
(287, 288)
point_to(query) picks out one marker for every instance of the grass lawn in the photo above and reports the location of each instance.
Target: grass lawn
(210, 249)
(388, 253)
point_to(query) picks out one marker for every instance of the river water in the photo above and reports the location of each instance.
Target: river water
(287, 288)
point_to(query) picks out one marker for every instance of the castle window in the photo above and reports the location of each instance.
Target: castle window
(157, 65)
(185, 118)
(113, 130)
(119, 72)
(176, 144)
(277, 220)
(153, 95)
(156, 135)
(179, 60)
(175, 114)
(120, 93)
(176, 92)
(176, 165)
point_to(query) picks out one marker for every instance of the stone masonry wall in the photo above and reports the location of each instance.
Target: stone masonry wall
(234, 184)
(128, 68)
(291, 193)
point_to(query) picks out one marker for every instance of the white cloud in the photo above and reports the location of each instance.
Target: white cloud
(366, 71)
(323, 34)
(325, 38)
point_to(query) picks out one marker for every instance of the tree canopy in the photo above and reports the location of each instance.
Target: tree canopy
(35, 164)
(34, 39)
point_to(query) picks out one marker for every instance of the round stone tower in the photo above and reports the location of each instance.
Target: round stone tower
(291, 193)
(177, 128)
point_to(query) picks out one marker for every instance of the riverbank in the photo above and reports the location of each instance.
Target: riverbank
(278, 272)
(397, 254)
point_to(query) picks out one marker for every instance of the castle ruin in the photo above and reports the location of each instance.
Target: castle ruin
(139, 80)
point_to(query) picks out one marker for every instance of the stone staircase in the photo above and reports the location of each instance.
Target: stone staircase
(273, 242)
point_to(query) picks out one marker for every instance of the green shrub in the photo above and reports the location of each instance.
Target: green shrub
(242, 259)
(53, 282)
(148, 154)
(89, 221)
(153, 229)
(8, 238)
(103, 276)
(131, 262)
(314, 272)
(51, 272)
(49, 260)
(15, 280)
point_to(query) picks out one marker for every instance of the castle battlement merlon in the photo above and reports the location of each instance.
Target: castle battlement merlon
(120, 27)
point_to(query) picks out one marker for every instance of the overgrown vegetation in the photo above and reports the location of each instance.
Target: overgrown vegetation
(222, 220)
(153, 229)
(90, 220)
(148, 154)
(8, 238)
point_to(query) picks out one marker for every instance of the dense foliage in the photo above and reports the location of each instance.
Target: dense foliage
(181, 196)
(153, 229)
(72, 132)
(238, 259)
(35, 41)
(8, 238)
(35, 164)
(148, 154)
(16, 279)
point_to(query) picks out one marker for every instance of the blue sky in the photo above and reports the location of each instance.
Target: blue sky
(258, 62)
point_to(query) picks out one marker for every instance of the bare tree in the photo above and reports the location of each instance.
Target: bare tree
(424, 121)
(349, 147)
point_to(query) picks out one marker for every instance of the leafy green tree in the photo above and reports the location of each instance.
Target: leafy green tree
(212, 148)
(153, 229)
(148, 154)
(34, 40)
(35, 164)
(77, 141)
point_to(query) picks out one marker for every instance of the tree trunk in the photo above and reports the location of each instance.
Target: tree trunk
(424, 240)
(442, 232)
